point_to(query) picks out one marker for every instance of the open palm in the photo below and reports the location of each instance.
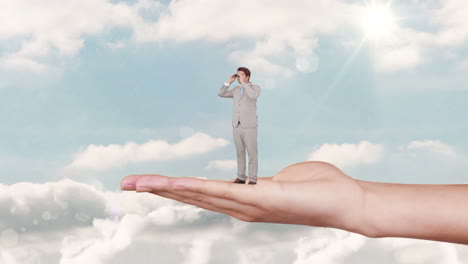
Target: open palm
(309, 193)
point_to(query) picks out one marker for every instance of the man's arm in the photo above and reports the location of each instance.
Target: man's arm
(224, 92)
(423, 211)
(251, 90)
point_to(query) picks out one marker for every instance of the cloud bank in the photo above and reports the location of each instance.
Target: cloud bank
(99, 157)
(72, 222)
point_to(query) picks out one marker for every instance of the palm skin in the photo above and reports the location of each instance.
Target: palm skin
(307, 193)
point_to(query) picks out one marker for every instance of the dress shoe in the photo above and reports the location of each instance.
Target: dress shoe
(253, 183)
(238, 181)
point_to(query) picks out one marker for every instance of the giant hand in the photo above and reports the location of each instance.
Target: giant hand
(308, 193)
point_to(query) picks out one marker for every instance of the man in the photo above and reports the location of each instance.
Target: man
(244, 122)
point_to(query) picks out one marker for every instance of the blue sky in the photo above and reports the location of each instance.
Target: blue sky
(86, 87)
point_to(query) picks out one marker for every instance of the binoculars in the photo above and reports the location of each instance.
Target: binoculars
(236, 75)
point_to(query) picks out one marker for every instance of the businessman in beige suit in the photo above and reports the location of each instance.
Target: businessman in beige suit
(244, 122)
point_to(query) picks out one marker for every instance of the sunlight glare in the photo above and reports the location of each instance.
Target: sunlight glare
(378, 21)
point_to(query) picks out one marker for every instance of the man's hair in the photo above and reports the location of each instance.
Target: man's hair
(245, 70)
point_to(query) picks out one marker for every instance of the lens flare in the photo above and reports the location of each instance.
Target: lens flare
(378, 21)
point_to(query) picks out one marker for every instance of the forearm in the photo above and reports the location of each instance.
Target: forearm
(223, 91)
(422, 211)
(251, 90)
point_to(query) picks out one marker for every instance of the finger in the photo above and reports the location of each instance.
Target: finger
(158, 184)
(240, 193)
(221, 204)
(128, 183)
(155, 183)
(252, 203)
(208, 206)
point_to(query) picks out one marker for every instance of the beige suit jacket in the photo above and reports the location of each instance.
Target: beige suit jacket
(245, 105)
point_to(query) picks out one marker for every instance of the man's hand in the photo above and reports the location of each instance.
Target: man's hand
(231, 79)
(308, 193)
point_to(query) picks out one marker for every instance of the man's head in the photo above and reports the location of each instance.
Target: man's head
(243, 71)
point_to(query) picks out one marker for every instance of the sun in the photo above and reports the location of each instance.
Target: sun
(378, 21)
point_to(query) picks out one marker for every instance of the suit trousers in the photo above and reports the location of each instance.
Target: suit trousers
(245, 138)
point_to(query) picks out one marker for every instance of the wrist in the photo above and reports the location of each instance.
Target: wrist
(370, 223)
(357, 214)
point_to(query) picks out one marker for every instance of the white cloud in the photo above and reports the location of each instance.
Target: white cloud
(408, 251)
(328, 246)
(119, 224)
(54, 30)
(435, 146)
(114, 236)
(198, 19)
(83, 224)
(257, 255)
(451, 16)
(307, 64)
(259, 63)
(348, 155)
(200, 251)
(58, 29)
(404, 49)
(395, 59)
(222, 164)
(407, 47)
(101, 157)
(18, 63)
(267, 23)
